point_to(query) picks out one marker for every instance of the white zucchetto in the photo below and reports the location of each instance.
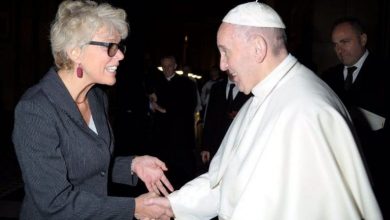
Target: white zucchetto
(254, 14)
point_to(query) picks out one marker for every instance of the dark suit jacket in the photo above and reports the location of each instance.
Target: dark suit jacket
(65, 165)
(369, 91)
(218, 119)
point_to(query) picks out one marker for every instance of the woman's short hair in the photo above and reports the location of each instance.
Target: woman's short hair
(76, 23)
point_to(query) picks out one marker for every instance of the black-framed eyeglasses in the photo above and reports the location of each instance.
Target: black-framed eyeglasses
(112, 48)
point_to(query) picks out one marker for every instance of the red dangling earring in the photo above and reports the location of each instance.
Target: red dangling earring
(79, 71)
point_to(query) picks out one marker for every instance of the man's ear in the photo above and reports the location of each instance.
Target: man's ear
(363, 39)
(74, 54)
(261, 48)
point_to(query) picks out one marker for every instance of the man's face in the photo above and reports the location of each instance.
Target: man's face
(236, 57)
(348, 44)
(168, 65)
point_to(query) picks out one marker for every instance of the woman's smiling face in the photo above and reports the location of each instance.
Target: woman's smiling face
(98, 66)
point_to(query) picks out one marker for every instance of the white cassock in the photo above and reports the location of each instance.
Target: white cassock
(289, 154)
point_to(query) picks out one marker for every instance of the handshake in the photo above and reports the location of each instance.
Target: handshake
(151, 206)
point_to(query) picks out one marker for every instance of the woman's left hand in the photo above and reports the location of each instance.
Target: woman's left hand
(151, 171)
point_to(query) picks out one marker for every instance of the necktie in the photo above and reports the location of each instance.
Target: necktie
(230, 97)
(348, 80)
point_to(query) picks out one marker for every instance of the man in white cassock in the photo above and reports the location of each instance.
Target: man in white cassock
(290, 153)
